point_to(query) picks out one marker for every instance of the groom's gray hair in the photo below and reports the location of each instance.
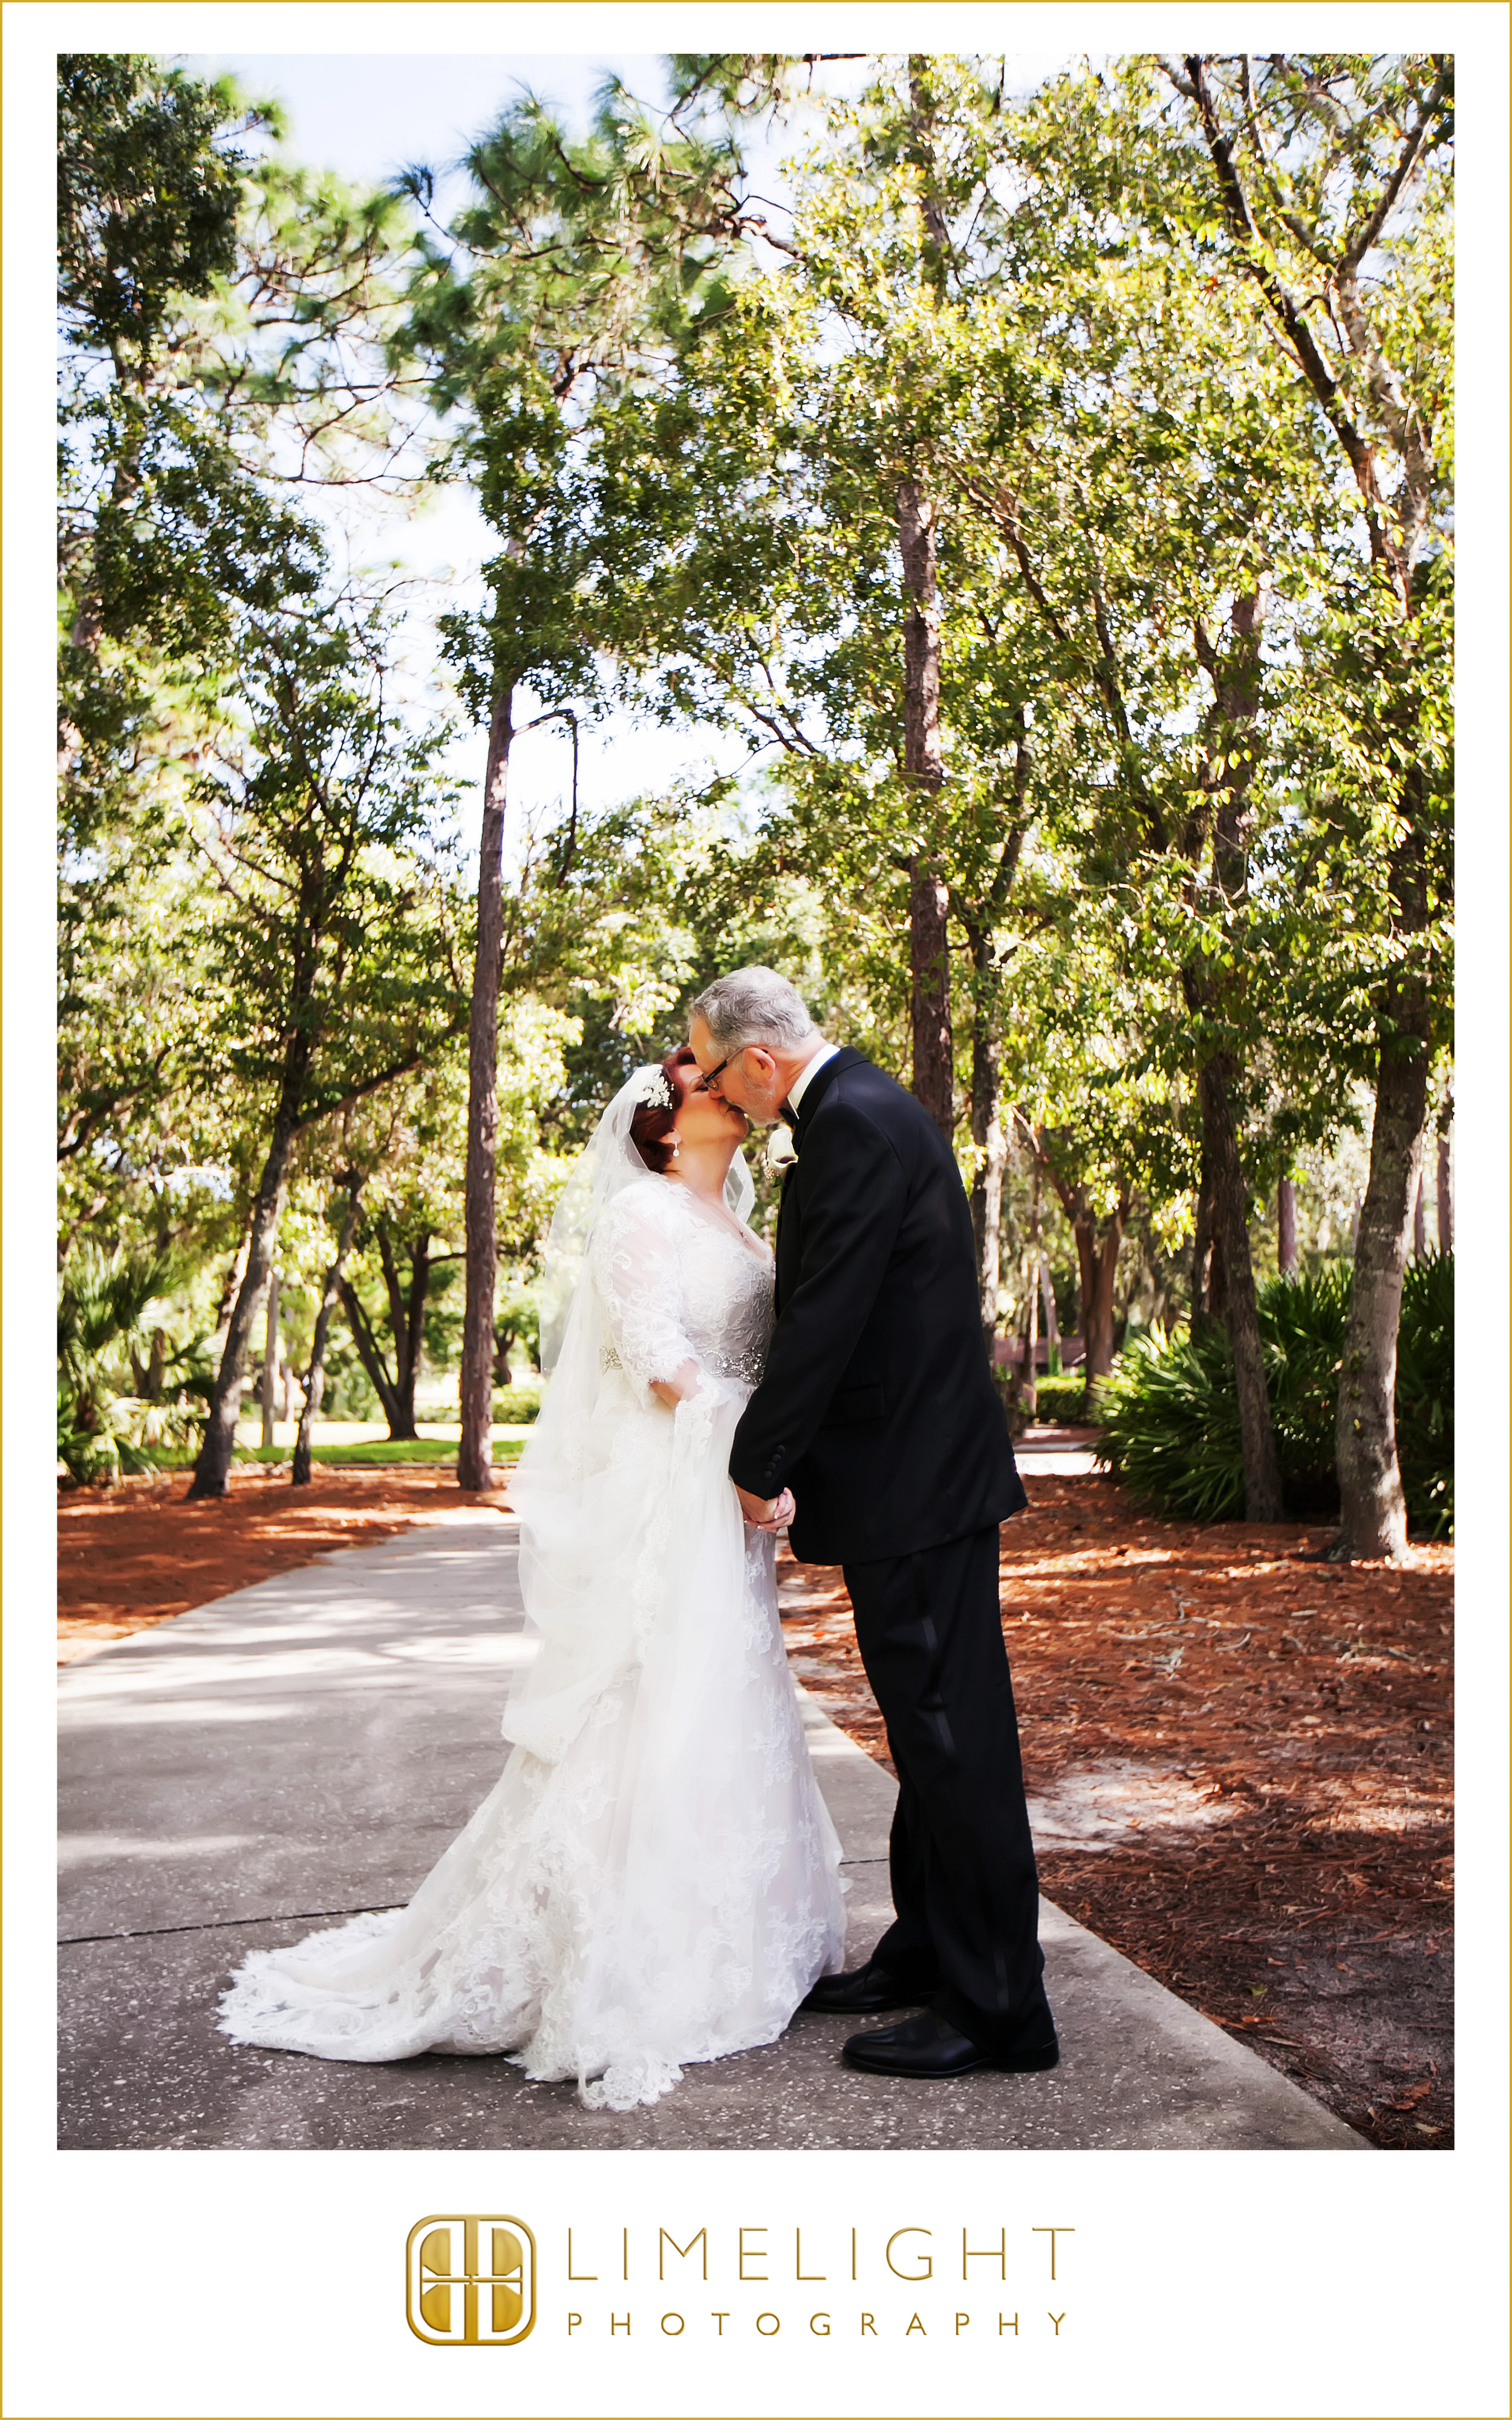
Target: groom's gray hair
(753, 1004)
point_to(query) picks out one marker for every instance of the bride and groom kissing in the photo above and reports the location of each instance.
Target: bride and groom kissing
(655, 1880)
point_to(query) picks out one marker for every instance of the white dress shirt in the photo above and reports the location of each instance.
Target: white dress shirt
(805, 1075)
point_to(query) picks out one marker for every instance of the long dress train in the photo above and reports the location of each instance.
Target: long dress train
(655, 1878)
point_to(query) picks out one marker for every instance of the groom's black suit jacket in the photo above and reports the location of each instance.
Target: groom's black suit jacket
(877, 1407)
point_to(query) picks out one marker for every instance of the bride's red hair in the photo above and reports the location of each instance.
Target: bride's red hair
(650, 1129)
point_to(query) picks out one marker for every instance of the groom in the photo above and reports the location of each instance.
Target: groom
(877, 1408)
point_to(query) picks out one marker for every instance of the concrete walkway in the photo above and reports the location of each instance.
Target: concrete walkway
(308, 1746)
(1043, 1451)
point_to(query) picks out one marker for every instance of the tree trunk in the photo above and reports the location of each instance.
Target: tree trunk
(1373, 1523)
(1447, 1199)
(269, 1384)
(234, 1276)
(1099, 1263)
(414, 1345)
(474, 1461)
(1420, 1222)
(407, 1316)
(212, 1472)
(1286, 1227)
(147, 1377)
(986, 1133)
(1263, 1471)
(1029, 1392)
(1202, 1252)
(315, 1382)
(1097, 1268)
(1227, 774)
(1052, 1325)
(934, 248)
(371, 1354)
(929, 962)
(1217, 1292)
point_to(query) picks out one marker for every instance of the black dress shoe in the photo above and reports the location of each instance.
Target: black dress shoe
(863, 1991)
(928, 2046)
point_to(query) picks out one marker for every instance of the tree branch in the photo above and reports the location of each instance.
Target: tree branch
(1288, 311)
(1439, 92)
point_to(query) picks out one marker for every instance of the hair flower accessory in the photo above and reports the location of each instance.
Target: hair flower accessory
(653, 1091)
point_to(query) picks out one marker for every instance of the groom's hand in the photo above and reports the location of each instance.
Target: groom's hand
(766, 1513)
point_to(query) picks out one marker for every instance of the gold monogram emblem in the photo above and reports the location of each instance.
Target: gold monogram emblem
(470, 2281)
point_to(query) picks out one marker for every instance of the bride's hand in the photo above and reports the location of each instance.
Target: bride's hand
(678, 1388)
(763, 1513)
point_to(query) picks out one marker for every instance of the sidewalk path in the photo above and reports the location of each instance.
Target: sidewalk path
(308, 1746)
(1043, 1451)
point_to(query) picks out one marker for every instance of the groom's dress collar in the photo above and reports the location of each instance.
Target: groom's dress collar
(815, 1082)
(805, 1077)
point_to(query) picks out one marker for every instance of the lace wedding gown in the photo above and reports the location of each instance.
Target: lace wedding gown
(655, 1878)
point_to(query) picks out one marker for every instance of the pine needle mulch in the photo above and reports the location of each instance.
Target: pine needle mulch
(1239, 1767)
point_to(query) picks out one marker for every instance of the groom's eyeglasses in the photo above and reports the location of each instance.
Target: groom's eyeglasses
(715, 1072)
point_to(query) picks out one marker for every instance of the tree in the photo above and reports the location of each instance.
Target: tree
(1105, 1117)
(160, 541)
(923, 355)
(408, 1293)
(1143, 480)
(334, 949)
(798, 575)
(1101, 410)
(572, 264)
(1332, 174)
(222, 317)
(331, 1292)
(408, 1146)
(1092, 630)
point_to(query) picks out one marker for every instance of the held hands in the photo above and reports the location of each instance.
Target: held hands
(762, 1514)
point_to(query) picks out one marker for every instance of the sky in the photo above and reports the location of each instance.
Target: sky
(370, 114)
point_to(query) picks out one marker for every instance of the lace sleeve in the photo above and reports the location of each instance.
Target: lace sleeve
(637, 1272)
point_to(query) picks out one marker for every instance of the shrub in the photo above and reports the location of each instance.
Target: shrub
(1426, 1393)
(1061, 1397)
(103, 1427)
(518, 1403)
(1170, 1412)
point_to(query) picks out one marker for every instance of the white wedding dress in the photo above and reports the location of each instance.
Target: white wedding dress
(655, 1880)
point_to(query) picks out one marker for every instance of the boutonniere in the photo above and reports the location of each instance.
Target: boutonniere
(779, 1147)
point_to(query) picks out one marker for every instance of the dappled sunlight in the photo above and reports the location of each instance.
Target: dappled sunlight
(107, 1848)
(1103, 1805)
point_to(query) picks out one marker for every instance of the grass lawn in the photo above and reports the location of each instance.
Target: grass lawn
(354, 1444)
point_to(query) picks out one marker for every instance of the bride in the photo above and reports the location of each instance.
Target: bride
(655, 1878)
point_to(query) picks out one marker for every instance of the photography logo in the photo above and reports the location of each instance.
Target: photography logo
(470, 2281)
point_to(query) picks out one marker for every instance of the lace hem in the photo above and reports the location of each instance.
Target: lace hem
(655, 1880)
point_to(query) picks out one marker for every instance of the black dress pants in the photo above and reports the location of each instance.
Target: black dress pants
(964, 1883)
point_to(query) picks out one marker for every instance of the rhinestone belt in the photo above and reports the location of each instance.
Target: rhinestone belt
(746, 1367)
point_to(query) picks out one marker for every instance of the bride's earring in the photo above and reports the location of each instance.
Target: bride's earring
(677, 1145)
